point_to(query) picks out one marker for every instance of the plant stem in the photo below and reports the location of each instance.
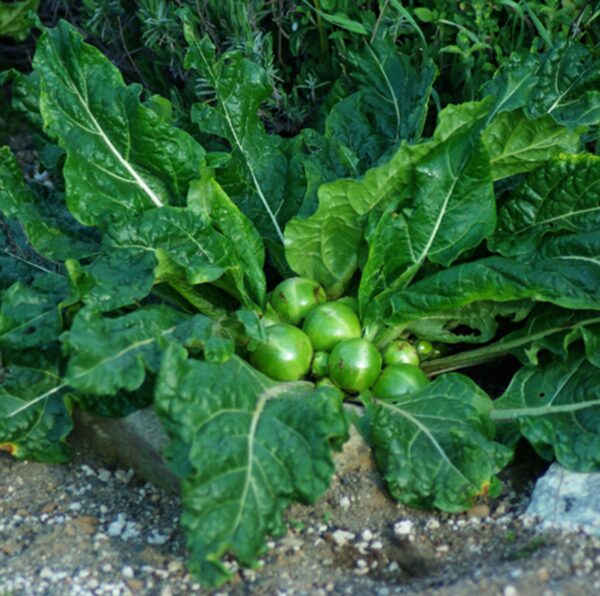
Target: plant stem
(322, 38)
(494, 351)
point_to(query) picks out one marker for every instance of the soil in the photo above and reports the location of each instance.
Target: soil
(81, 528)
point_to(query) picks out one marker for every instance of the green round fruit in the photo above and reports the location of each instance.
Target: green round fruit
(424, 349)
(294, 298)
(330, 323)
(286, 355)
(319, 365)
(397, 380)
(400, 352)
(354, 364)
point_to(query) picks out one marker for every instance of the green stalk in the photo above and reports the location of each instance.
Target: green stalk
(322, 38)
(493, 351)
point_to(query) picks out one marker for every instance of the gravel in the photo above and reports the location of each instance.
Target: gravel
(82, 528)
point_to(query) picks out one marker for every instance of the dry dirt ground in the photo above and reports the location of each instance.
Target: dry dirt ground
(82, 528)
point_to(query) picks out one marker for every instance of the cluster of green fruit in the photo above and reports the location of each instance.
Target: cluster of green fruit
(330, 346)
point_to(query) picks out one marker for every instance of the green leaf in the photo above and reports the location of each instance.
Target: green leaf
(18, 261)
(554, 329)
(174, 245)
(25, 92)
(452, 209)
(122, 404)
(513, 83)
(517, 144)
(314, 159)
(557, 406)
(35, 415)
(567, 88)
(114, 279)
(565, 271)
(122, 158)
(563, 195)
(358, 144)
(209, 200)
(474, 323)
(341, 20)
(14, 18)
(436, 447)
(30, 315)
(255, 176)
(547, 328)
(325, 246)
(246, 447)
(395, 93)
(50, 228)
(107, 355)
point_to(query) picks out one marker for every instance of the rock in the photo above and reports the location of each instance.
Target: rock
(567, 500)
(135, 442)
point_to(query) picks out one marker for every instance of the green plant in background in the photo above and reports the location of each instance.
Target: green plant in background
(14, 19)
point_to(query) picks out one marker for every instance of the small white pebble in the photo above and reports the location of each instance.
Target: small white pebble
(342, 537)
(510, 591)
(432, 524)
(367, 535)
(46, 573)
(403, 528)
(127, 572)
(376, 545)
(344, 502)
(361, 563)
(104, 475)
(157, 538)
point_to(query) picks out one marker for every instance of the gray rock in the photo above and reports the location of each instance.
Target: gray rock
(567, 500)
(135, 442)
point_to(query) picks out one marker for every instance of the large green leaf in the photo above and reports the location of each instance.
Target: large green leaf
(436, 447)
(35, 414)
(209, 200)
(174, 245)
(30, 315)
(512, 84)
(325, 246)
(395, 93)
(255, 176)
(107, 355)
(14, 21)
(563, 195)
(517, 144)
(50, 228)
(452, 209)
(122, 158)
(557, 406)
(246, 447)
(567, 86)
(565, 271)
